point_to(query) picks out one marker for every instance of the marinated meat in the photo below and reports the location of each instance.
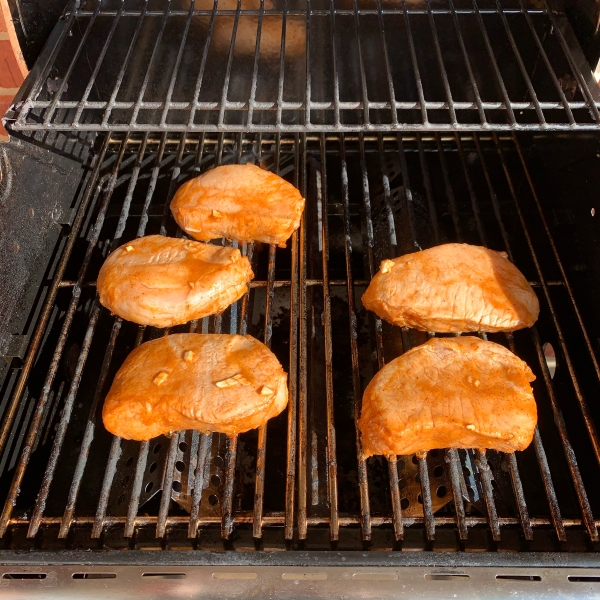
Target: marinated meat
(453, 288)
(162, 281)
(238, 202)
(224, 383)
(449, 393)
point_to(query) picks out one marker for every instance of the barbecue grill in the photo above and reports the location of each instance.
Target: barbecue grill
(404, 125)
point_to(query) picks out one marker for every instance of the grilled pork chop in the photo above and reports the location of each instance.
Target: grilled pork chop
(449, 393)
(224, 383)
(453, 288)
(239, 202)
(162, 281)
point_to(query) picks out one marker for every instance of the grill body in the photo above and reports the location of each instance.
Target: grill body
(294, 505)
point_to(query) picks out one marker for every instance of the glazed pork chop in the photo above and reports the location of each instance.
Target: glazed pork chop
(224, 383)
(453, 288)
(162, 281)
(449, 393)
(238, 202)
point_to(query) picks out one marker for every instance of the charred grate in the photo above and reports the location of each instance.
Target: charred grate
(278, 65)
(368, 197)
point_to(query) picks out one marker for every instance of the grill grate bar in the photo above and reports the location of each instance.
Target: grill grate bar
(558, 418)
(290, 489)
(225, 90)
(356, 386)
(92, 81)
(278, 519)
(548, 65)
(468, 65)
(426, 495)
(563, 273)
(401, 161)
(349, 107)
(488, 493)
(262, 431)
(581, 82)
(496, 69)
(331, 441)
(302, 358)
(85, 446)
(454, 466)
(115, 449)
(557, 520)
(33, 431)
(53, 104)
(200, 78)
(163, 118)
(443, 72)
(519, 59)
(113, 97)
(415, 66)
(396, 500)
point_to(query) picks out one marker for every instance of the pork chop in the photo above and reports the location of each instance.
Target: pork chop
(238, 202)
(453, 288)
(162, 281)
(449, 393)
(224, 383)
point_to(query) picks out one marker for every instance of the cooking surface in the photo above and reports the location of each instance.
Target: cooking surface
(292, 65)
(368, 198)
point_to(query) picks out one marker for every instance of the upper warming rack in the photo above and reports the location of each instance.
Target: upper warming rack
(309, 65)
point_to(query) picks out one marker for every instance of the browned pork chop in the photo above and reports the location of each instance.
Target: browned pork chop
(449, 393)
(162, 281)
(238, 202)
(453, 288)
(224, 383)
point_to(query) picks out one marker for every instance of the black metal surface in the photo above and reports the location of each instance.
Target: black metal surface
(40, 191)
(368, 197)
(280, 65)
(307, 559)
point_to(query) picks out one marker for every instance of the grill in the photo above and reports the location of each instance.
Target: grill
(315, 66)
(142, 97)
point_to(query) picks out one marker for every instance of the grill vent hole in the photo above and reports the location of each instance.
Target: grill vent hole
(404, 503)
(153, 467)
(446, 577)
(180, 466)
(215, 480)
(213, 500)
(520, 577)
(156, 449)
(438, 471)
(94, 575)
(177, 486)
(441, 491)
(121, 499)
(24, 576)
(129, 461)
(149, 486)
(218, 461)
(183, 447)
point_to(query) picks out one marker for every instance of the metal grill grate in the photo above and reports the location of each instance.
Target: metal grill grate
(286, 65)
(368, 197)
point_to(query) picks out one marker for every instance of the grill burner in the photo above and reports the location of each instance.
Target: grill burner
(321, 66)
(368, 197)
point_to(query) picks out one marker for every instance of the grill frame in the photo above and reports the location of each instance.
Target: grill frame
(24, 114)
(299, 284)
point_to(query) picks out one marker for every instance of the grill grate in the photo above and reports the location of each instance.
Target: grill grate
(284, 66)
(368, 197)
